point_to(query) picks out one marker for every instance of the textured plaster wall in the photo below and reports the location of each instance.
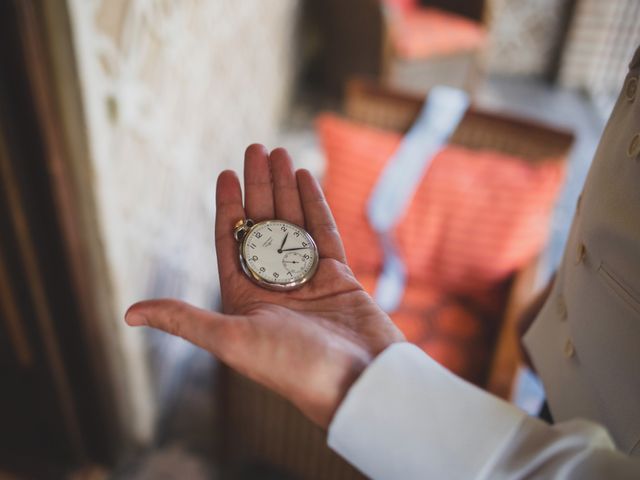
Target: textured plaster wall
(600, 44)
(173, 91)
(523, 35)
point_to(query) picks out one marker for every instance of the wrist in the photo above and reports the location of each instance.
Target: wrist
(330, 386)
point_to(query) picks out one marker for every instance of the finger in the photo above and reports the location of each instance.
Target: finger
(285, 188)
(318, 218)
(258, 191)
(228, 211)
(209, 330)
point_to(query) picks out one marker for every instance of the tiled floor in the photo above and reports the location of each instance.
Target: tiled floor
(184, 443)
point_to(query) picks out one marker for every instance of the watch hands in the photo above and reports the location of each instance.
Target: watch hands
(297, 248)
(284, 240)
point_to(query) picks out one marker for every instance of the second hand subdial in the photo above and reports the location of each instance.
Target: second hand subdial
(294, 262)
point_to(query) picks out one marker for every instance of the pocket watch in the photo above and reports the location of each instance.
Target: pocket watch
(276, 254)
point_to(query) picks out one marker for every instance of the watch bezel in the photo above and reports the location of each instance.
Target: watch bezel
(256, 278)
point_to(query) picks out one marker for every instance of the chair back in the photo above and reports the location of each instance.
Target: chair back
(383, 107)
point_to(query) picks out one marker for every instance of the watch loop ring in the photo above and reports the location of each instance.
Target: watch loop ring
(241, 228)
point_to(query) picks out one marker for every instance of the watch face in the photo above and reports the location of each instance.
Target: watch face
(279, 254)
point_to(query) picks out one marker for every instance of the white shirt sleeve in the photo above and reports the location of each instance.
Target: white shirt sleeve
(408, 417)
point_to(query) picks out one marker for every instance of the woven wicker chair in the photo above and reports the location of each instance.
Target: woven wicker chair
(258, 425)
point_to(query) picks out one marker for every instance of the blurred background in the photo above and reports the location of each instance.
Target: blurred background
(116, 117)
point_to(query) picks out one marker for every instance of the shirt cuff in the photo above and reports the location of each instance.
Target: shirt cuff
(408, 417)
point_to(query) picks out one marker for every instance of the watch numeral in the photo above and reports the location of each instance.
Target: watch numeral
(297, 234)
(252, 245)
(283, 228)
(289, 273)
(304, 244)
(258, 235)
(262, 269)
(306, 256)
(254, 258)
(275, 275)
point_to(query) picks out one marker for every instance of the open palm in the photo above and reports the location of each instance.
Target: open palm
(308, 344)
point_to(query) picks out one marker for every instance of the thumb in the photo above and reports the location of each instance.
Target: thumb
(201, 327)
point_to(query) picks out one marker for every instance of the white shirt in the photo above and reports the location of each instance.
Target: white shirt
(407, 417)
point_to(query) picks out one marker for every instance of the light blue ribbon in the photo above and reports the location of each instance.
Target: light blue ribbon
(439, 117)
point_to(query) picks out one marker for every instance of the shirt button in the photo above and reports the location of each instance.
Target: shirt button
(581, 252)
(569, 349)
(634, 146)
(631, 89)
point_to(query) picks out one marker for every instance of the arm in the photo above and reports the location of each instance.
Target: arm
(310, 345)
(408, 417)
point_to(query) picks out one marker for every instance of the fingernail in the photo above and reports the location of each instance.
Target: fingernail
(135, 319)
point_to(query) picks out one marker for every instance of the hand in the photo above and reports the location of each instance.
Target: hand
(310, 344)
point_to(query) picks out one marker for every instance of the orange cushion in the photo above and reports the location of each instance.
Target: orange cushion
(454, 332)
(426, 32)
(476, 217)
(355, 157)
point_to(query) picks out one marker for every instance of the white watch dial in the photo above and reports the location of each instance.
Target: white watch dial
(279, 252)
